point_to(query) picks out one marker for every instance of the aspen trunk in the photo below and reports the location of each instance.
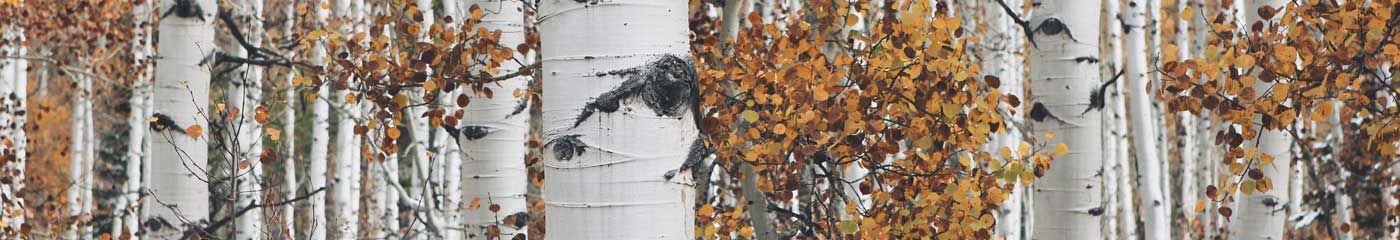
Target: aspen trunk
(182, 95)
(1069, 194)
(607, 172)
(245, 94)
(1259, 215)
(14, 80)
(492, 136)
(1156, 220)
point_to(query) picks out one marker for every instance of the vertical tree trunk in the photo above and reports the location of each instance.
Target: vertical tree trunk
(287, 228)
(127, 211)
(1156, 221)
(181, 95)
(320, 134)
(607, 172)
(78, 157)
(345, 187)
(493, 134)
(1258, 216)
(1068, 195)
(1186, 129)
(13, 80)
(1002, 46)
(1126, 217)
(1113, 62)
(245, 94)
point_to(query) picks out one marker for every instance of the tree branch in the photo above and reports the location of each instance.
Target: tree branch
(224, 221)
(1025, 24)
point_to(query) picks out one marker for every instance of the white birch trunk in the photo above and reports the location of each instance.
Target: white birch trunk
(176, 170)
(1112, 164)
(345, 187)
(126, 223)
(14, 80)
(1001, 61)
(320, 136)
(78, 157)
(245, 94)
(607, 174)
(1070, 190)
(1190, 179)
(493, 133)
(1125, 216)
(1258, 215)
(1156, 221)
(447, 149)
(289, 152)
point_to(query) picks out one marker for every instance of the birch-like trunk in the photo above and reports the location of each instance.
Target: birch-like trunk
(493, 133)
(608, 172)
(1001, 46)
(1259, 215)
(345, 187)
(287, 224)
(1068, 197)
(177, 178)
(1156, 221)
(320, 135)
(13, 80)
(1186, 129)
(245, 94)
(1126, 212)
(78, 157)
(127, 210)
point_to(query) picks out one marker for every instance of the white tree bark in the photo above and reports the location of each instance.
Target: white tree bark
(320, 135)
(13, 80)
(289, 152)
(126, 222)
(493, 133)
(1002, 45)
(176, 170)
(78, 157)
(607, 174)
(1125, 216)
(1258, 215)
(1068, 197)
(1190, 179)
(245, 94)
(345, 187)
(1156, 220)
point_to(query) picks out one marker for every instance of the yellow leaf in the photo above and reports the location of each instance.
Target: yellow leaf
(1061, 149)
(1049, 135)
(195, 131)
(706, 211)
(1263, 185)
(430, 86)
(316, 34)
(1024, 148)
(475, 204)
(394, 133)
(924, 143)
(1266, 159)
(1244, 61)
(1200, 205)
(750, 116)
(273, 133)
(1005, 153)
(1247, 187)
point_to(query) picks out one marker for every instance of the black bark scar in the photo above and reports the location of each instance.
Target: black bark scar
(1096, 99)
(698, 151)
(568, 146)
(1054, 26)
(665, 85)
(163, 122)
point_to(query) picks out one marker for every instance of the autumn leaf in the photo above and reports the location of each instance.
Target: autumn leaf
(194, 131)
